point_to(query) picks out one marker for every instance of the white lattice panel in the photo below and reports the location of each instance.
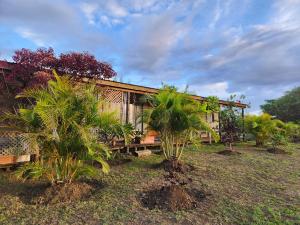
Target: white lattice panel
(16, 144)
(111, 95)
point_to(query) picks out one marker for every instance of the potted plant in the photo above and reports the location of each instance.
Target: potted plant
(137, 137)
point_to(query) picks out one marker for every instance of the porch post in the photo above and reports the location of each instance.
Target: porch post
(142, 118)
(243, 118)
(127, 107)
(220, 123)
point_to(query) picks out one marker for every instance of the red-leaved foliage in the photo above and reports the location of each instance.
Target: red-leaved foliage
(34, 68)
(84, 64)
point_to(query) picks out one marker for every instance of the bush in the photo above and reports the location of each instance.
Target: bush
(293, 131)
(177, 117)
(63, 120)
(260, 127)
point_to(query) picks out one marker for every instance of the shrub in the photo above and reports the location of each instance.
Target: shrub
(62, 119)
(231, 123)
(278, 134)
(260, 126)
(177, 119)
(293, 131)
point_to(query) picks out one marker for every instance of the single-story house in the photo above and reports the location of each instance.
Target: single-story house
(124, 99)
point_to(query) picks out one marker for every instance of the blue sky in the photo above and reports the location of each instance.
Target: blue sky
(216, 47)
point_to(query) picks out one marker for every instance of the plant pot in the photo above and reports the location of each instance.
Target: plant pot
(137, 140)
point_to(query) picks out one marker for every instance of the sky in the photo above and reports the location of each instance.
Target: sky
(215, 47)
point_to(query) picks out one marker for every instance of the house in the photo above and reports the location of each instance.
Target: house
(125, 100)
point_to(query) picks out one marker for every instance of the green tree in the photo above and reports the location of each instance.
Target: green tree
(213, 104)
(278, 134)
(177, 118)
(230, 123)
(260, 126)
(64, 119)
(285, 108)
(293, 131)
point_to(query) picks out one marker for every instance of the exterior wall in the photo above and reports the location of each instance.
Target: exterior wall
(129, 110)
(213, 120)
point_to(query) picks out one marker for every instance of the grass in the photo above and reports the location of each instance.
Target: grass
(255, 187)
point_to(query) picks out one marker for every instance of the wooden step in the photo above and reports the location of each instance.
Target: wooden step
(142, 153)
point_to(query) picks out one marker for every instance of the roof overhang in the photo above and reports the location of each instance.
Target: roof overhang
(133, 88)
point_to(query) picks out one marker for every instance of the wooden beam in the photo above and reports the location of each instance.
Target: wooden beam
(132, 88)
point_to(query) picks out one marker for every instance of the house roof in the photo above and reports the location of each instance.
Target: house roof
(133, 88)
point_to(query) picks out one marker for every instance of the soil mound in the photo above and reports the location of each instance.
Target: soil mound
(176, 166)
(276, 151)
(228, 152)
(64, 193)
(170, 198)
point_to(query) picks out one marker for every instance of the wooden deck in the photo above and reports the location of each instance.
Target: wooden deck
(135, 147)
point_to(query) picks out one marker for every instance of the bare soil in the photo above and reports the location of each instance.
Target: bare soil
(172, 198)
(52, 194)
(171, 193)
(276, 151)
(176, 166)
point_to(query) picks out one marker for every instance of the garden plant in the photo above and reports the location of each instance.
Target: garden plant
(65, 121)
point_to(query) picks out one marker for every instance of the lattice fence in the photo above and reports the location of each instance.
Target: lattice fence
(111, 95)
(17, 144)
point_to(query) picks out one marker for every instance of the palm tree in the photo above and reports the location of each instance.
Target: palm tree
(178, 120)
(260, 126)
(62, 119)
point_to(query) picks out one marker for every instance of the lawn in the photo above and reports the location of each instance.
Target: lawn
(255, 187)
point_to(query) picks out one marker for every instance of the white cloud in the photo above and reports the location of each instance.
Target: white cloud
(89, 10)
(219, 89)
(35, 37)
(115, 9)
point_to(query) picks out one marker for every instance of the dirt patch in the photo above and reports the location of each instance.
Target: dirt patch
(64, 193)
(175, 166)
(52, 194)
(173, 178)
(229, 152)
(276, 151)
(172, 198)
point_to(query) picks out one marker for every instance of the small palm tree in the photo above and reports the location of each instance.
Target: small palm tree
(62, 119)
(260, 126)
(178, 120)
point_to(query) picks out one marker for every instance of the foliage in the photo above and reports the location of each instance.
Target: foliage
(177, 119)
(56, 169)
(231, 123)
(33, 68)
(62, 119)
(293, 131)
(111, 129)
(213, 104)
(260, 126)
(265, 129)
(285, 108)
(278, 135)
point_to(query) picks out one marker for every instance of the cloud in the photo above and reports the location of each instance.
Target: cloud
(89, 10)
(38, 39)
(150, 39)
(50, 23)
(216, 47)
